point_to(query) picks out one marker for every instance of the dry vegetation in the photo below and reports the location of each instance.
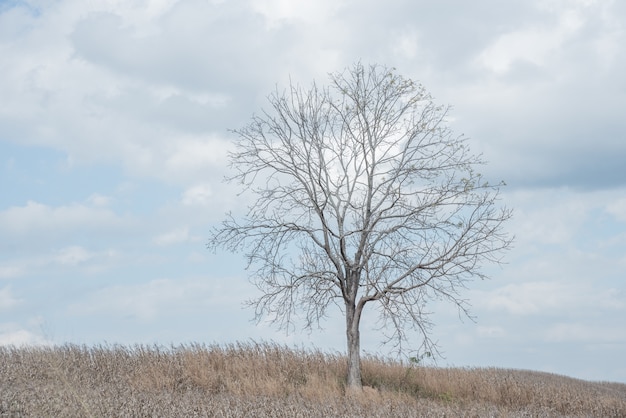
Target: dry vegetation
(264, 380)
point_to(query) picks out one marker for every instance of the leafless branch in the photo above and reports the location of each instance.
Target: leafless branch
(362, 195)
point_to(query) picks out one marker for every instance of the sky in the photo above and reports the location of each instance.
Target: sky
(115, 121)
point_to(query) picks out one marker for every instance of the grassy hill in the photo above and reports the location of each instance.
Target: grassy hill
(265, 380)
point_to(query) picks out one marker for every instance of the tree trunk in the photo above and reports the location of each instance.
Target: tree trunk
(353, 317)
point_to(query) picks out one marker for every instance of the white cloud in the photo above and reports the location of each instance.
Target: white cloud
(547, 44)
(7, 300)
(617, 208)
(547, 216)
(279, 11)
(72, 256)
(36, 218)
(200, 195)
(176, 236)
(491, 331)
(550, 298)
(531, 113)
(193, 158)
(10, 271)
(561, 217)
(99, 200)
(196, 257)
(534, 45)
(581, 332)
(9, 335)
(165, 93)
(156, 84)
(148, 301)
(57, 98)
(406, 45)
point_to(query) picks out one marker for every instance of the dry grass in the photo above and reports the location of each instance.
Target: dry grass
(265, 380)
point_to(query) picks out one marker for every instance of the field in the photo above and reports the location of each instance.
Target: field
(265, 380)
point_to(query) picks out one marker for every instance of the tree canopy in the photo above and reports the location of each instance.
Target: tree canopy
(362, 194)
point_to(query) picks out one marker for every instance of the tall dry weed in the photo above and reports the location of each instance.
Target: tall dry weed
(263, 380)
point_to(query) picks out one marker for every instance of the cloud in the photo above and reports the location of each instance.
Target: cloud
(73, 259)
(583, 332)
(7, 300)
(145, 115)
(36, 225)
(196, 257)
(72, 256)
(618, 209)
(168, 55)
(549, 221)
(154, 299)
(491, 331)
(37, 217)
(98, 200)
(564, 218)
(200, 194)
(551, 298)
(161, 96)
(532, 106)
(193, 158)
(9, 335)
(176, 236)
(278, 12)
(10, 271)
(533, 44)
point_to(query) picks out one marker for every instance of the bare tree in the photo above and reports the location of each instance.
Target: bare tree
(362, 195)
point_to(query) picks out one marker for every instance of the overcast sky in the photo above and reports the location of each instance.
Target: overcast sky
(114, 126)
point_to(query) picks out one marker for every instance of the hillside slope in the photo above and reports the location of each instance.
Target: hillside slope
(265, 380)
